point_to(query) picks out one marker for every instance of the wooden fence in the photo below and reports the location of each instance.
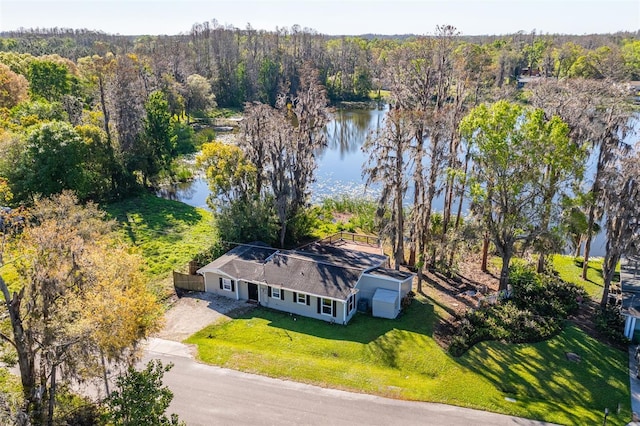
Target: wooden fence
(188, 282)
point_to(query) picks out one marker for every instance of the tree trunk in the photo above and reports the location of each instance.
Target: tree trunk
(485, 253)
(608, 269)
(104, 373)
(283, 233)
(459, 210)
(595, 192)
(542, 260)
(399, 254)
(431, 192)
(20, 342)
(105, 111)
(412, 256)
(52, 396)
(504, 272)
(587, 243)
(578, 247)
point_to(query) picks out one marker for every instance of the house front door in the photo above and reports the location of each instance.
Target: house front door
(253, 291)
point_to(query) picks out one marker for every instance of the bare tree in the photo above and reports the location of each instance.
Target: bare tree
(255, 129)
(309, 118)
(621, 195)
(282, 142)
(386, 166)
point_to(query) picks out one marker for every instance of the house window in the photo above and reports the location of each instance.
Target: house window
(352, 304)
(226, 284)
(327, 307)
(275, 293)
(302, 299)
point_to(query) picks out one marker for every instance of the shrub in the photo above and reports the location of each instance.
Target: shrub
(610, 322)
(535, 312)
(363, 211)
(545, 295)
(141, 399)
(406, 301)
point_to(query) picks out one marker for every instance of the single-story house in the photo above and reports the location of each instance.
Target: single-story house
(321, 281)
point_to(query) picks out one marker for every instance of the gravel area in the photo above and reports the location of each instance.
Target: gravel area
(194, 311)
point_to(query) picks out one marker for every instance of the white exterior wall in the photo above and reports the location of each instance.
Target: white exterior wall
(243, 290)
(630, 326)
(368, 284)
(385, 304)
(212, 285)
(383, 309)
(405, 287)
(355, 308)
(310, 310)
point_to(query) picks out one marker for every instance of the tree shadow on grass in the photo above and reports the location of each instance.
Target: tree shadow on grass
(144, 213)
(542, 372)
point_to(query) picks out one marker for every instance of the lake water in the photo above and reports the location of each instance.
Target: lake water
(340, 166)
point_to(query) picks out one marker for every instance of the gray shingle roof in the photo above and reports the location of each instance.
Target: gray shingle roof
(331, 272)
(308, 276)
(243, 253)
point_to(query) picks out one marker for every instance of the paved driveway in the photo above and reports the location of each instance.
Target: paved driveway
(194, 311)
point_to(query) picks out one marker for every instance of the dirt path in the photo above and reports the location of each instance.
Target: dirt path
(194, 311)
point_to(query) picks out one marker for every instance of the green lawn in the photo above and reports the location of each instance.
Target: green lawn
(166, 233)
(571, 272)
(399, 359)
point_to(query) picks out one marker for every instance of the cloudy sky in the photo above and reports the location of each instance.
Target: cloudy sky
(471, 17)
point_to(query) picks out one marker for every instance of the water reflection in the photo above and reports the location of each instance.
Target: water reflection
(340, 165)
(350, 127)
(193, 193)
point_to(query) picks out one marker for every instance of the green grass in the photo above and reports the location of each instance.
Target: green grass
(548, 386)
(569, 271)
(10, 388)
(400, 359)
(360, 212)
(382, 94)
(226, 112)
(166, 233)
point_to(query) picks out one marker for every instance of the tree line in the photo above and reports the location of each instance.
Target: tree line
(103, 115)
(127, 105)
(516, 156)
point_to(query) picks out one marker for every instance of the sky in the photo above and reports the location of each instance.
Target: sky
(333, 17)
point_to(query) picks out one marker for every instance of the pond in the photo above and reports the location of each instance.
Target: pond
(339, 166)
